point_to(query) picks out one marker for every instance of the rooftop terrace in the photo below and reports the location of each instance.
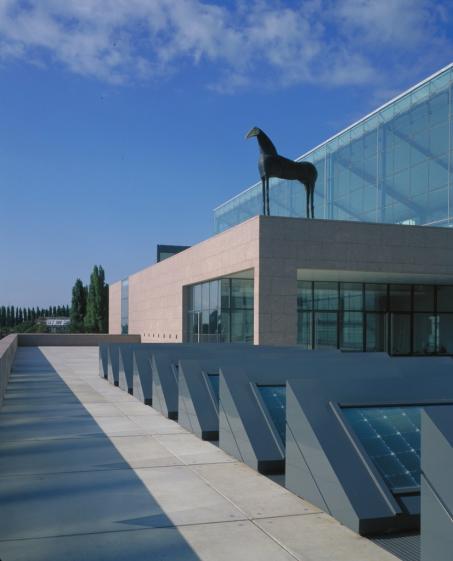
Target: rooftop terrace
(87, 472)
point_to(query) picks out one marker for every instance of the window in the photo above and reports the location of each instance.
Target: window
(220, 311)
(402, 319)
(125, 306)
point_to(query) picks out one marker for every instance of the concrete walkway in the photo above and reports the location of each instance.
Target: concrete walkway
(87, 473)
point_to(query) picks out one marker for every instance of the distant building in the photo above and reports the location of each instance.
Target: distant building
(56, 325)
(166, 251)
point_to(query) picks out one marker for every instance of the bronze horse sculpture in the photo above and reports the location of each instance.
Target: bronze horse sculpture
(271, 164)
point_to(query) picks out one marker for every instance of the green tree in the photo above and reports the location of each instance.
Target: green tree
(78, 306)
(96, 318)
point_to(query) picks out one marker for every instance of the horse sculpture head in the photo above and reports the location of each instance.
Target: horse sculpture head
(253, 132)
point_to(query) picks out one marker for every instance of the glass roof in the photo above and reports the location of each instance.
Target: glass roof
(274, 398)
(391, 437)
(214, 380)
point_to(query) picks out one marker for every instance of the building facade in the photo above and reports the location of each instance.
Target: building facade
(286, 281)
(373, 272)
(393, 166)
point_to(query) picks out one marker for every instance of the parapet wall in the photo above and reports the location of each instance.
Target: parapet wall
(72, 339)
(8, 346)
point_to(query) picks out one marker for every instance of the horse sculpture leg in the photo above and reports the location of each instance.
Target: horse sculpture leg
(307, 193)
(263, 187)
(312, 202)
(267, 197)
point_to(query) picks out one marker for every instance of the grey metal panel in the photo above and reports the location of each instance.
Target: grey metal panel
(245, 428)
(329, 453)
(103, 360)
(142, 376)
(436, 484)
(165, 359)
(113, 364)
(125, 375)
(197, 407)
(197, 404)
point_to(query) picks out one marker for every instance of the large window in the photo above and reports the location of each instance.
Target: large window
(401, 319)
(125, 306)
(220, 311)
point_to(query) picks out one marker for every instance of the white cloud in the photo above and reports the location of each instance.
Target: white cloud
(270, 42)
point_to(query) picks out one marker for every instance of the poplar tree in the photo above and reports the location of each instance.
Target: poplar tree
(78, 306)
(96, 319)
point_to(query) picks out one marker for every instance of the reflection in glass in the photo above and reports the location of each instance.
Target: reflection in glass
(274, 398)
(423, 298)
(405, 331)
(124, 307)
(205, 296)
(351, 296)
(210, 318)
(304, 330)
(391, 438)
(445, 333)
(241, 293)
(214, 290)
(242, 326)
(376, 332)
(326, 295)
(424, 333)
(376, 297)
(445, 298)
(400, 334)
(304, 295)
(214, 381)
(351, 331)
(400, 297)
(325, 330)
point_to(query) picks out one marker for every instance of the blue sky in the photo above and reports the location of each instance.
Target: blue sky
(122, 122)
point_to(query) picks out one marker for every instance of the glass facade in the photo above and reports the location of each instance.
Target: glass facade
(391, 438)
(220, 311)
(393, 166)
(125, 306)
(401, 319)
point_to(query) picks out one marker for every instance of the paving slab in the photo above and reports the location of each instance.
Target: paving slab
(319, 537)
(258, 497)
(60, 455)
(136, 408)
(144, 451)
(206, 542)
(43, 428)
(191, 450)
(108, 501)
(157, 424)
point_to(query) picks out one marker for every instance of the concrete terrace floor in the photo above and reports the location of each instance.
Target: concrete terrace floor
(87, 473)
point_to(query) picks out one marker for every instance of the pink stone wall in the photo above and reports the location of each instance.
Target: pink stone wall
(156, 293)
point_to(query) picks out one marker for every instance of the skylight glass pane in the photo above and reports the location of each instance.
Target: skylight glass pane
(274, 398)
(391, 437)
(214, 380)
